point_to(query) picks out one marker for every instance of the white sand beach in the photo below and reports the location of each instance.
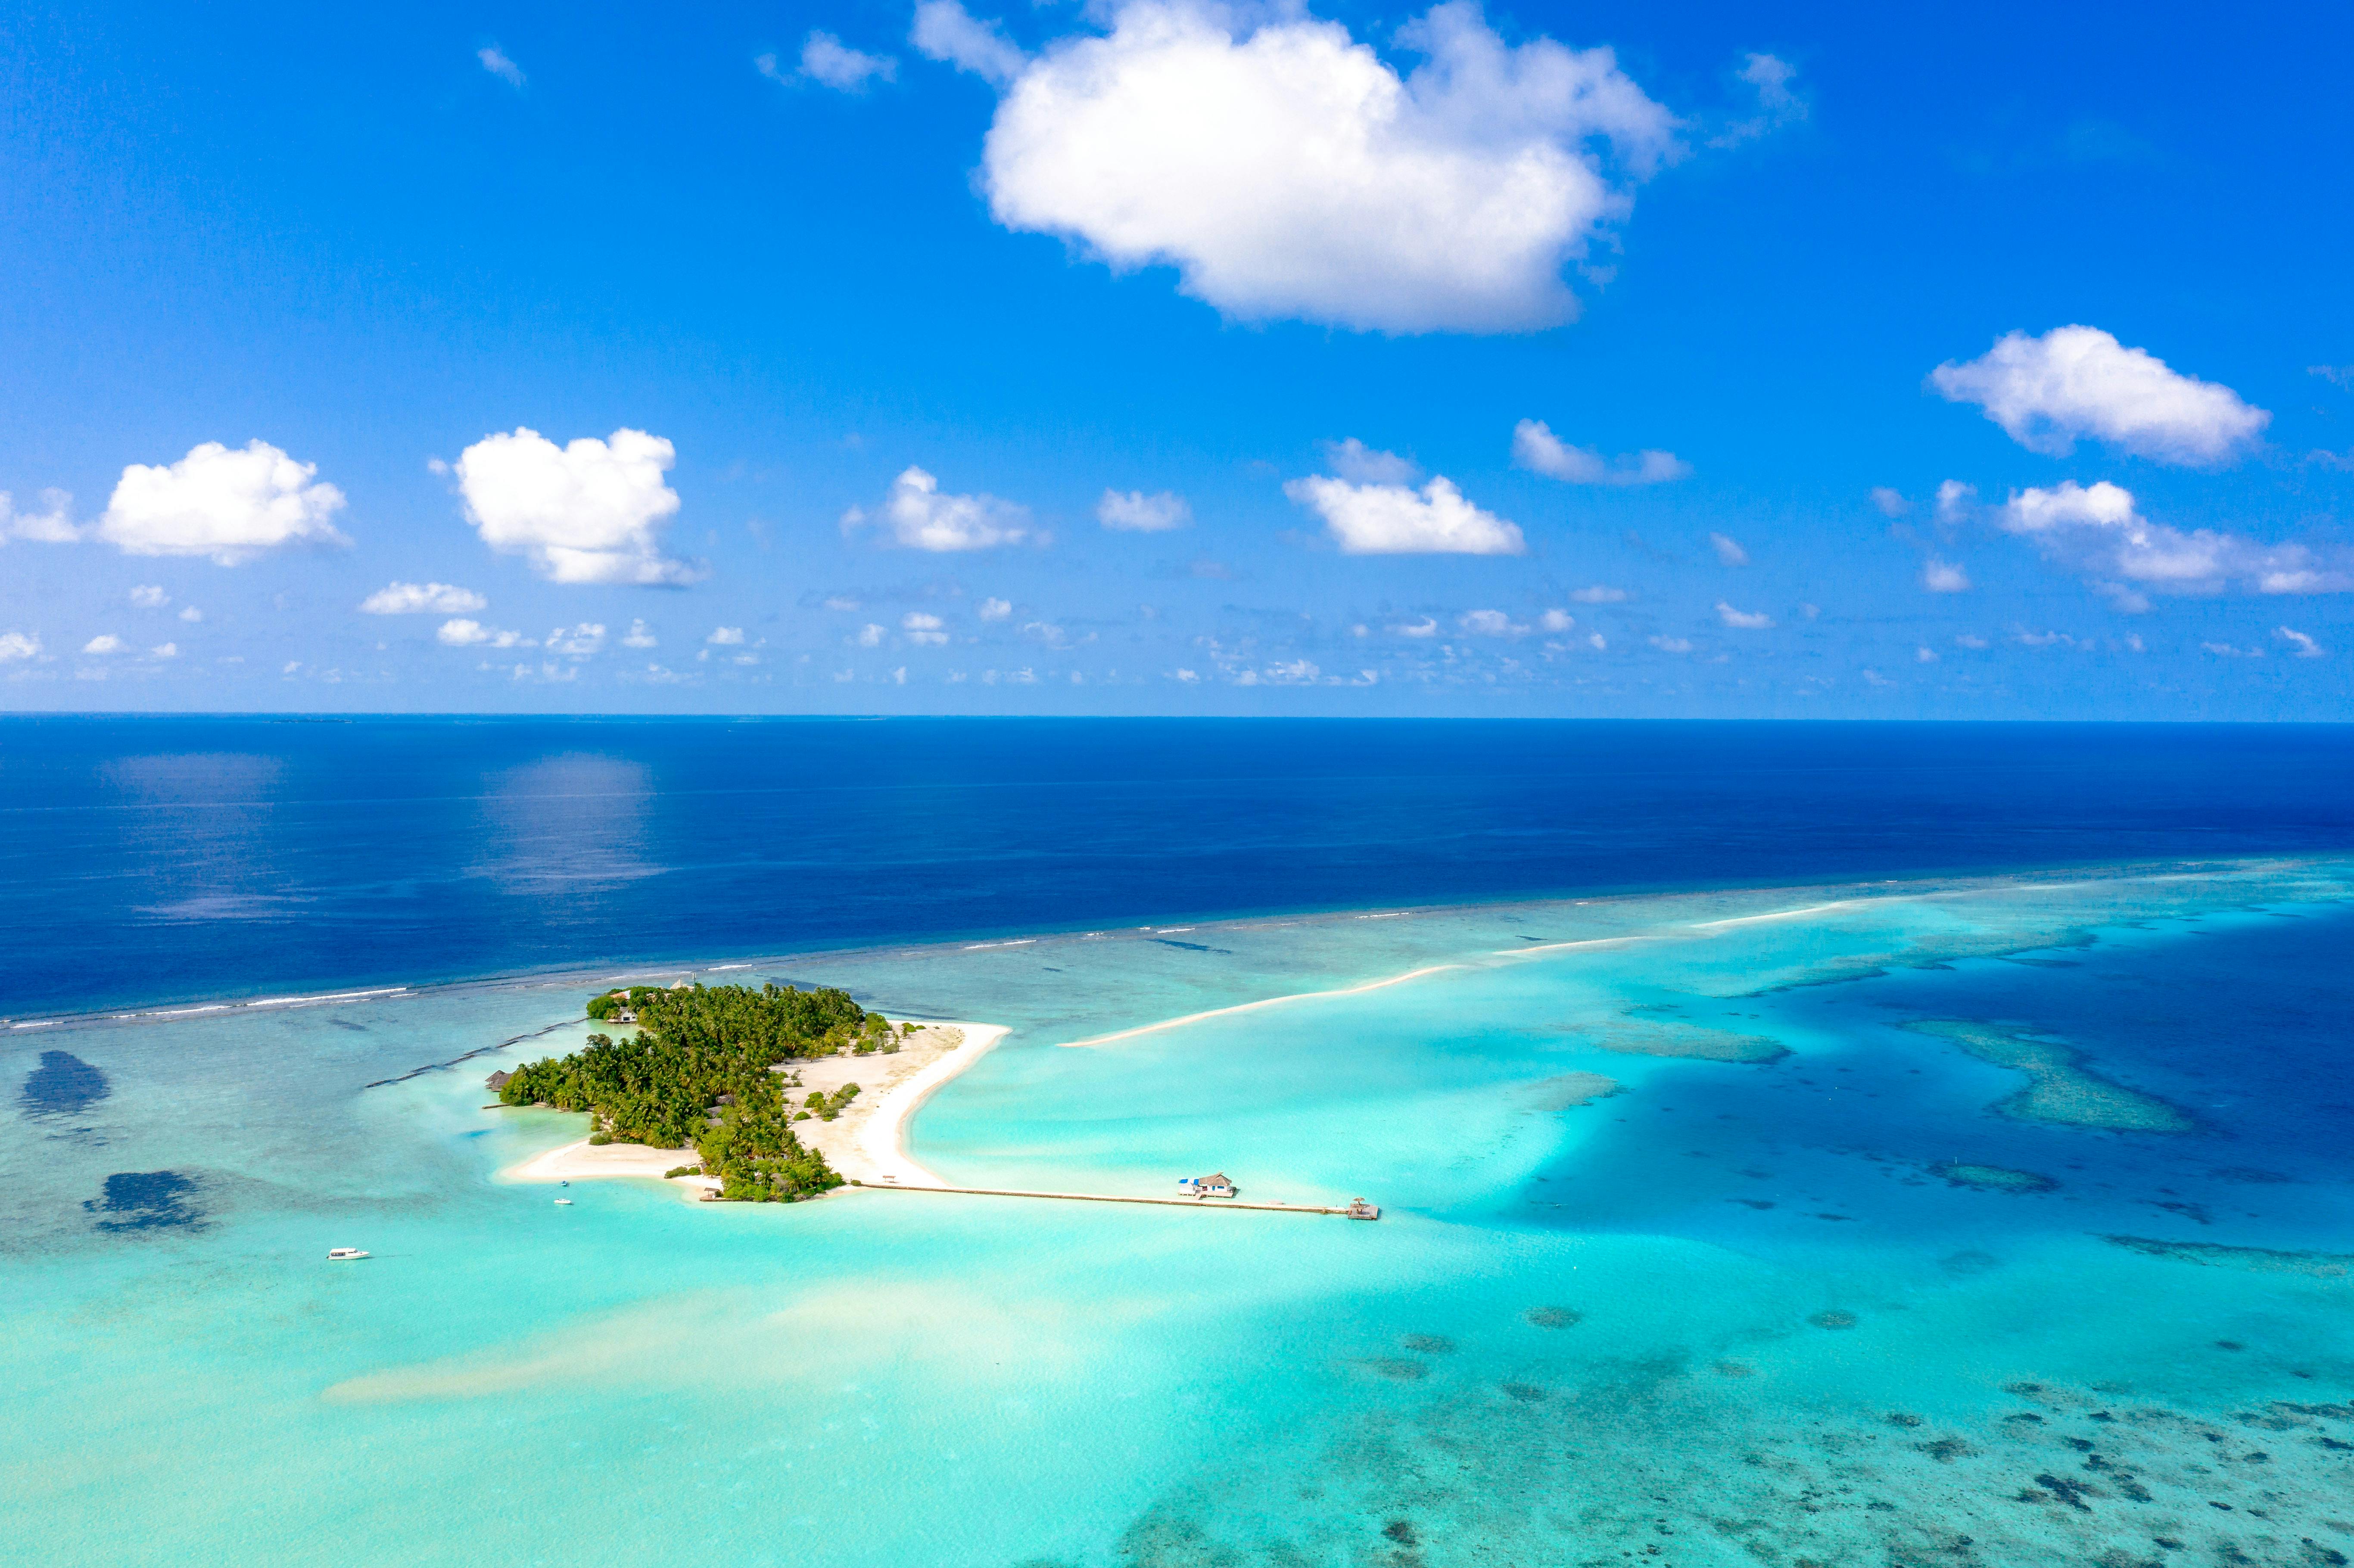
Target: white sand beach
(868, 1142)
(874, 1148)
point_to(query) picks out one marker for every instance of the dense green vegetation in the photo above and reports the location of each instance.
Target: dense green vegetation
(826, 1108)
(704, 1053)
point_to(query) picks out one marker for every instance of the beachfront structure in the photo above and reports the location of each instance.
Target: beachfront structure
(1206, 1187)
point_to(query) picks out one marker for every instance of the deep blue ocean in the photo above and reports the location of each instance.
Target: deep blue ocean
(146, 860)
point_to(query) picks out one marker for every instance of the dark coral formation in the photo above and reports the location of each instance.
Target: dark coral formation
(63, 1085)
(146, 1200)
(2079, 1477)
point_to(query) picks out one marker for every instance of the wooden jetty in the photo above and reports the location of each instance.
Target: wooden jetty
(1360, 1210)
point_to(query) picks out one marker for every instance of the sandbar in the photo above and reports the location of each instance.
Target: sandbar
(1264, 1002)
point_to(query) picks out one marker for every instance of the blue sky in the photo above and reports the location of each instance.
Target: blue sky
(1178, 359)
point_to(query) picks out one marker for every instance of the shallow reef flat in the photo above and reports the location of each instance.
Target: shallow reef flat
(1571, 1090)
(2255, 1259)
(1641, 1463)
(1993, 1178)
(1688, 1042)
(2061, 1089)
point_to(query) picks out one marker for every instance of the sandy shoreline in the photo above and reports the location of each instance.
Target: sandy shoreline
(867, 1142)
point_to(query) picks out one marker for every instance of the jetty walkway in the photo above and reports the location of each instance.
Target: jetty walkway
(1118, 1198)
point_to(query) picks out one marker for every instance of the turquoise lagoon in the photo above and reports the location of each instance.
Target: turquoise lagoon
(1806, 1284)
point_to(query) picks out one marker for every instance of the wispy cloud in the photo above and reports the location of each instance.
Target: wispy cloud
(494, 60)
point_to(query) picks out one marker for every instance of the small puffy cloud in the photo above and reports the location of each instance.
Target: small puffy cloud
(228, 505)
(1287, 170)
(1924, 655)
(494, 60)
(16, 645)
(995, 609)
(640, 637)
(2099, 531)
(2306, 647)
(1354, 461)
(1537, 449)
(947, 32)
(465, 634)
(1892, 503)
(578, 643)
(148, 597)
(1954, 500)
(104, 642)
(589, 511)
(1489, 623)
(53, 526)
(2078, 381)
(829, 62)
(164, 651)
(1971, 641)
(1728, 550)
(923, 628)
(191, 614)
(1426, 627)
(869, 636)
(1944, 576)
(1133, 512)
(2225, 651)
(726, 637)
(1599, 594)
(1747, 621)
(1777, 106)
(1596, 641)
(920, 517)
(1392, 520)
(1672, 645)
(1556, 620)
(421, 598)
(1052, 635)
(844, 604)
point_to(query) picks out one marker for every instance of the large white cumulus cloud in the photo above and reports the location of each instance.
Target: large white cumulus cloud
(920, 515)
(1285, 170)
(590, 512)
(230, 505)
(1395, 520)
(2077, 381)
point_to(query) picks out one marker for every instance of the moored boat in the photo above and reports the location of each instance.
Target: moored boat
(345, 1253)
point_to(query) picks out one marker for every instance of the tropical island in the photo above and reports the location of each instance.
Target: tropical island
(708, 1068)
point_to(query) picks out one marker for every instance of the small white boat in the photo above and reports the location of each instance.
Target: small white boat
(567, 1202)
(345, 1253)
